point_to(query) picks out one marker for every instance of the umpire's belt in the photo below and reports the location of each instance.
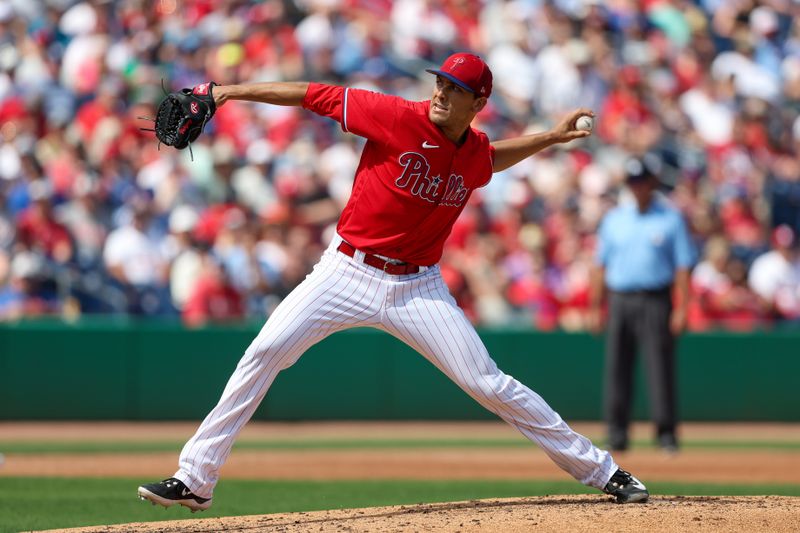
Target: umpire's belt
(659, 291)
(395, 269)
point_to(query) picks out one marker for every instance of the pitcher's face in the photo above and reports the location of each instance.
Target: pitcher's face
(452, 105)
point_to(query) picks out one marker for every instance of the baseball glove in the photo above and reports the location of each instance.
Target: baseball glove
(182, 115)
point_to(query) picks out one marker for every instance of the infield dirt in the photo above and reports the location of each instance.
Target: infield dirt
(764, 463)
(551, 513)
(743, 465)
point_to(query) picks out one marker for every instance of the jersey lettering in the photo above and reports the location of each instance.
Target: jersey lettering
(416, 179)
(414, 165)
(455, 193)
(401, 193)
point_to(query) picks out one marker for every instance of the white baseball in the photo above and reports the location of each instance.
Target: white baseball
(584, 123)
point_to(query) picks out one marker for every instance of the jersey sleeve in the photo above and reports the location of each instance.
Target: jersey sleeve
(365, 113)
(490, 168)
(684, 251)
(602, 251)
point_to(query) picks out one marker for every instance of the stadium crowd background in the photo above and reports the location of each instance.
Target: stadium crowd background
(95, 219)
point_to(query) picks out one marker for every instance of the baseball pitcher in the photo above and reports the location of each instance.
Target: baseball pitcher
(420, 165)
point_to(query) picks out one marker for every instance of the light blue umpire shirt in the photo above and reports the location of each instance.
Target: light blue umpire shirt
(642, 251)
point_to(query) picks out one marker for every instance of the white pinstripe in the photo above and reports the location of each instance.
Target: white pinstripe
(418, 309)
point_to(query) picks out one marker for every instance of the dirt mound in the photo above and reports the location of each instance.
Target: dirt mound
(552, 513)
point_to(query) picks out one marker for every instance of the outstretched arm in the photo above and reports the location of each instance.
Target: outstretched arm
(290, 93)
(509, 152)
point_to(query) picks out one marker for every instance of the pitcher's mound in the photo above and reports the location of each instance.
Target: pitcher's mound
(552, 513)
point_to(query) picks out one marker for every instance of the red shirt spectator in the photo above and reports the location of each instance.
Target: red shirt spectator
(36, 228)
(213, 298)
(90, 115)
(624, 105)
(214, 218)
(740, 224)
(720, 297)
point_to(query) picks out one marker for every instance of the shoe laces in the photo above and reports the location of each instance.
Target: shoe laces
(621, 478)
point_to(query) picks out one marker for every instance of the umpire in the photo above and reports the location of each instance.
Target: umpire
(644, 251)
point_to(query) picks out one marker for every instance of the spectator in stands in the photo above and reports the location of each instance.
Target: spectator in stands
(37, 228)
(783, 189)
(186, 258)
(213, 298)
(28, 292)
(84, 218)
(135, 260)
(713, 87)
(775, 275)
(236, 247)
(720, 296)
(747, 312)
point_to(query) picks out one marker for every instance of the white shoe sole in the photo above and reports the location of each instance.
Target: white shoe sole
(636, 498)
(156, 499)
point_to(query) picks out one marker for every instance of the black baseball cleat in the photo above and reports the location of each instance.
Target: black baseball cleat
(626, 488)
(668, 443)
(172, 491)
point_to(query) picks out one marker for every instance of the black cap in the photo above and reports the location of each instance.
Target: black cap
(638, 169)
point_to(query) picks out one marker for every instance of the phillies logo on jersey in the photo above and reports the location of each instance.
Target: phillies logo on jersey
(417, 179)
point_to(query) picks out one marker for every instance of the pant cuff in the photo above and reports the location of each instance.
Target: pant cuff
(196, 487)
(599, 479)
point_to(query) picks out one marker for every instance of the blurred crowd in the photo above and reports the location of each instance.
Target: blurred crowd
(94, 218)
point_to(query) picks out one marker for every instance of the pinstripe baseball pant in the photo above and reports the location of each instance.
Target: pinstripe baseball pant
(342, 292)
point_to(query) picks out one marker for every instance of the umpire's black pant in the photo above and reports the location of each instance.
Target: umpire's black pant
(639, 320)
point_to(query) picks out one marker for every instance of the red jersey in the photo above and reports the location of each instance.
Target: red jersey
(412, 181)
(36, 230)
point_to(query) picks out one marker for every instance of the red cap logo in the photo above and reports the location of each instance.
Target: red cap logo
(468, 71)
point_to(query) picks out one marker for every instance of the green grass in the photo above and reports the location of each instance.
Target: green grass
(42, 503)
(23, 447)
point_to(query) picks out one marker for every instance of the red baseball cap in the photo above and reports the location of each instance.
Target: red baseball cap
(467, 71)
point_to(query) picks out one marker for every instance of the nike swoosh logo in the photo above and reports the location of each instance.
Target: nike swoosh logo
(426, 145)
(185, 492)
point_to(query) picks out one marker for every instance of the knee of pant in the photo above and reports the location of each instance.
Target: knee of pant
(484, 386)
(270, 353)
